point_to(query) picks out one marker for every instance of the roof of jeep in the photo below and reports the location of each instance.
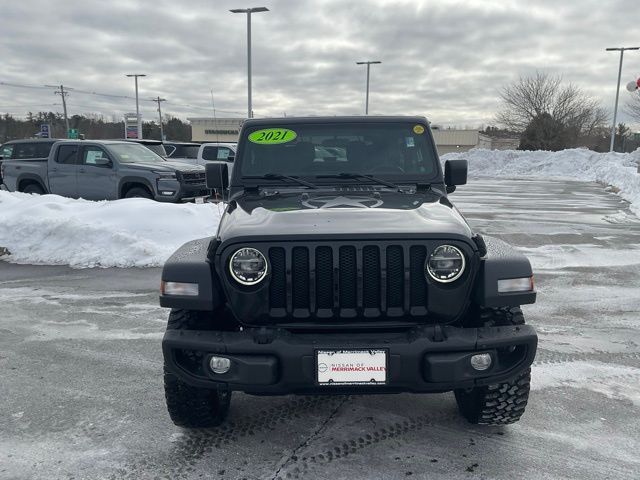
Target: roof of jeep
(254, 122)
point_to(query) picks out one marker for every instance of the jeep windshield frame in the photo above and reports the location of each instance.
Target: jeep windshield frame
(399, 151)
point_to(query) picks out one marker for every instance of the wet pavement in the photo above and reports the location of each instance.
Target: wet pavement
(81, 372)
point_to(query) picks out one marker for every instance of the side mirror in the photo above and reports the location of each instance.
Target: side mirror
(103, 162)
(230, 159)
(217, 174)
(455, 173)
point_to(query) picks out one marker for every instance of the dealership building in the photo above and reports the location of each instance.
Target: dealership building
(208, 129)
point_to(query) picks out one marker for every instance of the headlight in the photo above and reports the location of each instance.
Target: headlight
(248, 266)
(166, 175)
(445, 264)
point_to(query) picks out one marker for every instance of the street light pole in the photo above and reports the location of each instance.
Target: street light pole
(615, 107)
(249, 11)
(136, 75)
(368, 64)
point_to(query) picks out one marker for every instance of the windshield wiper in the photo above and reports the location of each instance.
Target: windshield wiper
(362, 175)
(279, 176)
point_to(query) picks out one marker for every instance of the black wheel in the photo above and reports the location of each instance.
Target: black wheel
(33, 188)
(501, 403)
(138, 192)
(193, 407)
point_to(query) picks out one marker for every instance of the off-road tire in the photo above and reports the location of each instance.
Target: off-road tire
(501, 403)
(138, 192)
(189, 406)
(194, 407)
(33, 188)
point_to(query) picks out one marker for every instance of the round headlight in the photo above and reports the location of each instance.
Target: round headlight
(445, 264)
(248, 266)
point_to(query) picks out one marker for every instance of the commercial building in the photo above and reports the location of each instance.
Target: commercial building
(450, 140)
(208, 129)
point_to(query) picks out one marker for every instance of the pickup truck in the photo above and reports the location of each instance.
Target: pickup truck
(28, 149)
(105, 170)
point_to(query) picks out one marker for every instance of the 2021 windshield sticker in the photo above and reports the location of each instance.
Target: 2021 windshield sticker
(272, 136)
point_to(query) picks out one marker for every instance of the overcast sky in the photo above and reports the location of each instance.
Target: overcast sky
(443, 59)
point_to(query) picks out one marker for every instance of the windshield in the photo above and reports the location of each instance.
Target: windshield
(185, 151)
(134, 153)
(156, 148)
(393, 150)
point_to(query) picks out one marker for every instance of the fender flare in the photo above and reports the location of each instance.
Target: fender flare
(501, 262)
(190, 264)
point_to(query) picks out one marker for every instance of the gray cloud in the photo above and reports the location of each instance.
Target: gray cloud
(445, 59)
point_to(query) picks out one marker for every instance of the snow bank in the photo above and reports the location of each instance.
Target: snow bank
(134, 232)
(616, 169)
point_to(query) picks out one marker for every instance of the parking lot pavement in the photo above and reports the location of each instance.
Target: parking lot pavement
(81, 372)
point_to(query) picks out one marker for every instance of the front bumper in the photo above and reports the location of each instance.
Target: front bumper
(423, 359)
(173, 191)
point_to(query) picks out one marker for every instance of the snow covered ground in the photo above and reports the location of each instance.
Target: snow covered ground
(618, 170)
(134, 232)
(140, 233)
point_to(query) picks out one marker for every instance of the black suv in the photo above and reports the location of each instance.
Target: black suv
(340, 266)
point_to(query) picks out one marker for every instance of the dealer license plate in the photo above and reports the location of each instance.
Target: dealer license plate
(200, 199)
(351, 367)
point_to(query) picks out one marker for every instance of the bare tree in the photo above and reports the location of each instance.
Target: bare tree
(632, 106)
(544, 96)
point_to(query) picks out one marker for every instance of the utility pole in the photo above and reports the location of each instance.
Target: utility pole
(136, 75)
(249, 11)
(63, 94)
(158, 100)
(615, 107)
(368, 64)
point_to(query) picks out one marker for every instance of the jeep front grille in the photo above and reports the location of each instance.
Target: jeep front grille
(347, 281)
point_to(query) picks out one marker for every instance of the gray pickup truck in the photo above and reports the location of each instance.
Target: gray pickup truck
(105, 170)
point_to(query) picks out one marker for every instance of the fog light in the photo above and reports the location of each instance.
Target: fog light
(219, 364)
(481, 361)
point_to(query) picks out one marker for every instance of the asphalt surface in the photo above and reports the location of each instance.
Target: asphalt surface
(81, 384)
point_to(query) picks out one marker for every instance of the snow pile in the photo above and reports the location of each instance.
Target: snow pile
(616, 169)
(134, 232)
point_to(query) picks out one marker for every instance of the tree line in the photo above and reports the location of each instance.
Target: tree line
(92, 127)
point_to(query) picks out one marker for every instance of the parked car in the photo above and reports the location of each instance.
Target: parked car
(341, 266)
(181, 150)
(155, 146)
(105, 170)
(31, 149)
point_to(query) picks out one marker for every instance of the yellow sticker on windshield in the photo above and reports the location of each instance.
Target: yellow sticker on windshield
(272, 136)
(418, 129)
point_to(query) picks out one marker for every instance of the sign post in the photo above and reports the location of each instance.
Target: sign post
(131, 126)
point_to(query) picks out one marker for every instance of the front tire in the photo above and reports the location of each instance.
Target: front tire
(138, 192)
(33, 188)
(193, 407)
(500, 403)
(189, 406)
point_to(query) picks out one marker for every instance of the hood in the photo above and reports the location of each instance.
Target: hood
(168, 166)
(383, 214)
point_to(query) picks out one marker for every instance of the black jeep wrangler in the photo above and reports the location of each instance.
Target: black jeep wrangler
(340, 266)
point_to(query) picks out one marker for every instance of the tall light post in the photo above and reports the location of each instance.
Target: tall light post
(136, 75)
(368, 64)
(615, 107)
(249, 11)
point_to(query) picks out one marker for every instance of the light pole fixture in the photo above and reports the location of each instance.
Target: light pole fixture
(249, 11)
(136, 75)
(615, 107)
(368, 64)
